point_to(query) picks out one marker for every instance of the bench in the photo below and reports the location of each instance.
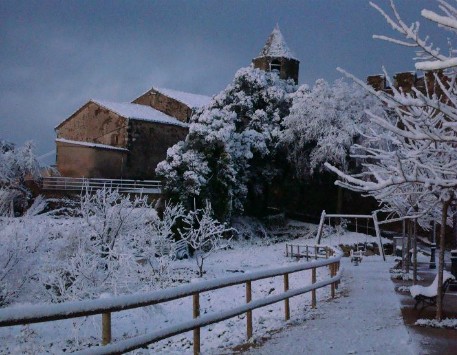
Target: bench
(427, 294)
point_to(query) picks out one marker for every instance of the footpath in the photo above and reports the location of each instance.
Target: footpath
(365, 318)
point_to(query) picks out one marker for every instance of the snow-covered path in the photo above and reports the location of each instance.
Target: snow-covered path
(366, 318)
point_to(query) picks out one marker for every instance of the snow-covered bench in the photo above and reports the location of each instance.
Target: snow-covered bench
(427, 294)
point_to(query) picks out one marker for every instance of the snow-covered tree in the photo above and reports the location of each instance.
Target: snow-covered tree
(324, 122)
(424, 134)
(231, 149)
(204, 234)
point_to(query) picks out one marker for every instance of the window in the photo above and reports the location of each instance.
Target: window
(275, 65)
(114, 139)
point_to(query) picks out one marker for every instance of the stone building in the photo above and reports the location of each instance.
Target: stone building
(124, 140)
(276, 55)
(127, 140)
(424, 82)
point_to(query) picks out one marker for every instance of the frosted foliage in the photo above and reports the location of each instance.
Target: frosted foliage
(117, 247)
(324, 122)
(423, 160)
(428, 55)
(231, 142)
(417, 153)
(114, 244)
(16, 163)
(21, 246)
(203, 233)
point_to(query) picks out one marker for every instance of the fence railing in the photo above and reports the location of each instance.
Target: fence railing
(307, 251)
(53, 312)
(61, 183)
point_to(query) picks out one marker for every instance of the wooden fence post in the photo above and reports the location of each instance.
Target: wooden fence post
(332, 273)
(196, 314)
(315, 251)
(248, 313)
(313, 292)
(286, 301)
(106, 328)
(287, 250)
(298, 251)
(337, 268)
(307, 253)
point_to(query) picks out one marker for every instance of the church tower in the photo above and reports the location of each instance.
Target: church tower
(276, 55)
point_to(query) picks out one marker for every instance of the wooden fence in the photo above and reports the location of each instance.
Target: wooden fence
(53, 312)
(61, 183)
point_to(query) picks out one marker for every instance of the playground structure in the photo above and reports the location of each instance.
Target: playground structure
(356, 217)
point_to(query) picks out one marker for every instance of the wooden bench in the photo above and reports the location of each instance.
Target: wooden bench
(427, 294)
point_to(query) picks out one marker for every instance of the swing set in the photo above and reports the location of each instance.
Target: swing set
(356, 217)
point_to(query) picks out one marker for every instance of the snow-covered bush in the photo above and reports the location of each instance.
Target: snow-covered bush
(15, 165)
(22, 244)
(204, 234)
(231, 150)
(103, 250)
(160, 249)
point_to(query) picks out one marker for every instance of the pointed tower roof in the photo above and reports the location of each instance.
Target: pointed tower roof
(276, 46)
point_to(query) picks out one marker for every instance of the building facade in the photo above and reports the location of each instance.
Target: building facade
(127, 140)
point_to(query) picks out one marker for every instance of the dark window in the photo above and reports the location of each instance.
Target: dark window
(275, 66)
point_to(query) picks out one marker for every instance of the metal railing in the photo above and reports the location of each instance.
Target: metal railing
(61, 183)
(46, 313)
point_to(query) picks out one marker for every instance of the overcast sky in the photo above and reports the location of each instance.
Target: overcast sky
(56, 55)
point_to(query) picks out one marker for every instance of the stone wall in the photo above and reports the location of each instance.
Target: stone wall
(407, 80)
(148, 143)
(82, 161)
(165, 104)
(93, 123)
(289, 67)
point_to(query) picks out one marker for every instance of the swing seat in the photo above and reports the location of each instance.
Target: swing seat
(356, 256)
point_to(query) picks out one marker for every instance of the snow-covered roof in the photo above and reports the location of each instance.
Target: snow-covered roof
(276, 46)
(91, 144)
(139, 112)
(191, 100)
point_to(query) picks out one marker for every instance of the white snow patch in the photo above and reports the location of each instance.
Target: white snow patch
(276, 46)
(90, 144)
(445, 323)
(430, 291)
(191, 100)
(139, 112)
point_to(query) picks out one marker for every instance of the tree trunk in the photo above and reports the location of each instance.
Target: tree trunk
(415, 252)
(439, 304)
(408, 247)
(403, 248)
(339, 204)
(454, 227)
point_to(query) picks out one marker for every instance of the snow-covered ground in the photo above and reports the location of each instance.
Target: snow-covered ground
(365, 318)
(243, 256)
